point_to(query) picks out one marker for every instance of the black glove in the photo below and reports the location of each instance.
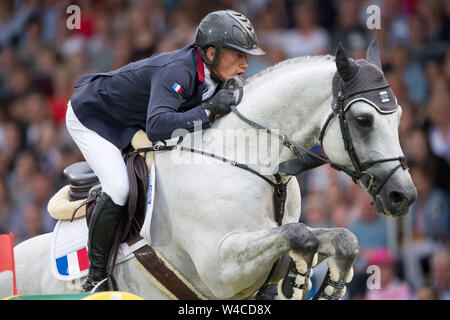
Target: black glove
(220, 103)
(296, 166)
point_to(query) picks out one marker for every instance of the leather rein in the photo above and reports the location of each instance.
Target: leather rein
(359, 175)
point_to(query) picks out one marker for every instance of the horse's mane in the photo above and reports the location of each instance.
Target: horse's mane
(273, 70)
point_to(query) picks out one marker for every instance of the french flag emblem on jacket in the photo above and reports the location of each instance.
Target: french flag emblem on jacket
(176, 87)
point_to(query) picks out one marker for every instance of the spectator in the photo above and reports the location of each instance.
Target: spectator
(390, 287)
(5, 208)
(395, 21)
(419, 153)
(10, 140)
(427, 293)
(407, 123)
(431, 211)
(40, 58)
(370, 228)
(24, 167)
(143, 39)
(339, 208)
(427, 226)
(31, 42)
(13, 21)
(62, 90)
(371, 231)
(100, 45)
(315, 211)
(412, 74)
(36, 113)
(395, 80)
(440, 274)
(433, 12)
(447, 66)
(308, 38)
(439, 132)
(349, 30)
(40, 189)
(268, 26)
(33, 225)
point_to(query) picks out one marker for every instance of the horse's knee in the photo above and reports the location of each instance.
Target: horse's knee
(346, 244)
(301, 238)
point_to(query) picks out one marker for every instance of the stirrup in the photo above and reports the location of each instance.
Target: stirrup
(95, 286)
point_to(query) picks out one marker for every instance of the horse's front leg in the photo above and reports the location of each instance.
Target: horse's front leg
(341, 248)
(245, 254)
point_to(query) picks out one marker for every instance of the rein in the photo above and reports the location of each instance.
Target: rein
(279, 186)
(359, 176)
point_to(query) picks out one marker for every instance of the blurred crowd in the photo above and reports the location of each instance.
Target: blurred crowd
(40, 59)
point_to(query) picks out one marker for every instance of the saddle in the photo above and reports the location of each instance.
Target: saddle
(81, 179)
(77, 200)
(69, 202)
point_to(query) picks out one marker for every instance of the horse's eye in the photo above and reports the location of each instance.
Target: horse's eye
(364, 121)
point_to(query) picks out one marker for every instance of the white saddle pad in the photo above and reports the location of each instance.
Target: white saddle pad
(68, 250)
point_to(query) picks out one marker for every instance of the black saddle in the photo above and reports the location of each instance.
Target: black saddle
(81, 179)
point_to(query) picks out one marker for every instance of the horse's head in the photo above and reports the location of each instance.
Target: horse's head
(366, 115)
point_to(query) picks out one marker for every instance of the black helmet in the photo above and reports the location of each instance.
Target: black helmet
(226, 28)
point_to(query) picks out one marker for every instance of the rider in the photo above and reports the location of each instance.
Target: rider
(160, 94)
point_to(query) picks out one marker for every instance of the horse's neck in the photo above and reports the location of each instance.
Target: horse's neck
(293, 103)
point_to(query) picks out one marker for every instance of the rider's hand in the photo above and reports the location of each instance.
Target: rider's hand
(220, 104)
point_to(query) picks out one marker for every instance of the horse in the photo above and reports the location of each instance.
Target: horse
(214, 222)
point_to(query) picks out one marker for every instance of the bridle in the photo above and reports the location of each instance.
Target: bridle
(360, 175)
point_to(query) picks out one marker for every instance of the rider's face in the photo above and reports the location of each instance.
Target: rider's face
(230, 63)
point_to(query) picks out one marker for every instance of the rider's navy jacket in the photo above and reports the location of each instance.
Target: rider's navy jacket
(158, 95)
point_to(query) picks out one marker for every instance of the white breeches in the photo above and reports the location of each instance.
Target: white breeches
(102, 156)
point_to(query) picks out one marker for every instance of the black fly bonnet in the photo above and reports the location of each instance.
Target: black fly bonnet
(361, 80)
(369, 85)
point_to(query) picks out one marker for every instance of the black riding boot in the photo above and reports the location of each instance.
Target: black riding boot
(102, 229)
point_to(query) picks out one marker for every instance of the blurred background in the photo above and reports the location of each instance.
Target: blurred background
(40, 59)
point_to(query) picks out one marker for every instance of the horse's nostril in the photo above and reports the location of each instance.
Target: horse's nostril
(396, 197)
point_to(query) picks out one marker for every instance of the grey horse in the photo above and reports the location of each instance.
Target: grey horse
(214, 222)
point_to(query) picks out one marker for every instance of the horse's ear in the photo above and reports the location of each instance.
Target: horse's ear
(345, 67)
(373, 53)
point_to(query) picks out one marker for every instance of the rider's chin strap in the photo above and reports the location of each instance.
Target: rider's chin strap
(215, 58)
(212, 63)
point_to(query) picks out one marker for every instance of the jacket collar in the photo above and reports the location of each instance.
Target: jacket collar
(200, 67)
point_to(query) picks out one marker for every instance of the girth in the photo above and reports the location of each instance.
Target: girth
(163, 275)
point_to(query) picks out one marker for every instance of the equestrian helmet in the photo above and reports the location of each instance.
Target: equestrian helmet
(229, 29)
